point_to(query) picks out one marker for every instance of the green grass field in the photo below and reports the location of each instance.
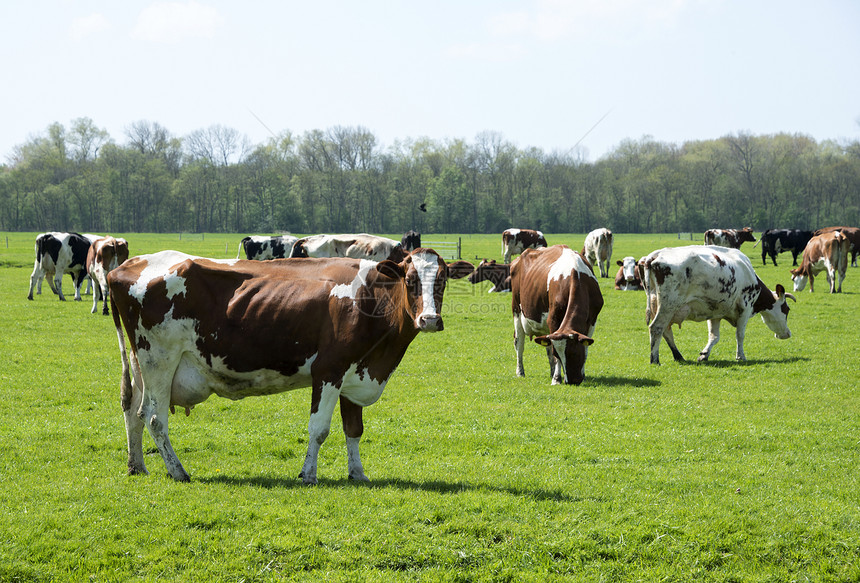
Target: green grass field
(721, 471)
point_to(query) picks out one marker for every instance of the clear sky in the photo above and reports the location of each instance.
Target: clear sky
(541, 73)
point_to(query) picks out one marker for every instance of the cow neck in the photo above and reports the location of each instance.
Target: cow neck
(765, 300)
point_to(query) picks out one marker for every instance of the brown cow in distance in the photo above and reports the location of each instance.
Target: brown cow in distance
(105, 255)
(732, 238)
(826, 252)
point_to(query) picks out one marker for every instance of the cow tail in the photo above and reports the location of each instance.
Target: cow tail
(649, 283)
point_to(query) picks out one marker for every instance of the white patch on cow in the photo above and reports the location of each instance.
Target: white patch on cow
(427, 264)
(513, 232)
(360, 388)
(156, 266)
(565, 265)
(350, 290)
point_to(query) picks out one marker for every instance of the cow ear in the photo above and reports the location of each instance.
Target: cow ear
(588, 341)
(780, 291)
(388, 268)
(619, 263)
(543, 340)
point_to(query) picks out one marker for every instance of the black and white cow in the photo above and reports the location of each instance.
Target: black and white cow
(515, 241)
(706, 282)
(776, 241)
(57, 254)
(262, 248)
(410, 241)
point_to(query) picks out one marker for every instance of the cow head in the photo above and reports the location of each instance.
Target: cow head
(480, 272)
(426, 276)
(775, 317)
(628, 267)
(571, 349)
(799, 279)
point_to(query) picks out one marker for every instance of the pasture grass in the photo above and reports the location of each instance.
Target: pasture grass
(722, 471)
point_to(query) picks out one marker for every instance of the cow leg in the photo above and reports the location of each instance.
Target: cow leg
(58, 285)
(740, 331)
(78, 282)
(353, 428)
(35, 281)
(713, 338)
(323, 400)
(555, 369)
(154, 413)
(670, 340)
(97, 291)
(131, 396)
(519, 345)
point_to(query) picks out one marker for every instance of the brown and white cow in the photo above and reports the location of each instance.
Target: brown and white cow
(499, 274)
(105, 255)
(732, 238)
(515, 241)
(264, 247)
(198, 327)
(705, 282)
(827, 252)
(597, 249)
(556, 299)
(360, 246)
(627, 278)
(853, 234)
(57, 254)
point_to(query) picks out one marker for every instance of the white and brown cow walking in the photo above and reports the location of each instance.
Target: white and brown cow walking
(827, 252)
(732, 238)
(556, 300)
(105, 255)
(515, 241)
(597, 249)
(706, 282)
(198, 327)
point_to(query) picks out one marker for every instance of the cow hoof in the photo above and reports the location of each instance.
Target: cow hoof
(359, 478)
(703, 358)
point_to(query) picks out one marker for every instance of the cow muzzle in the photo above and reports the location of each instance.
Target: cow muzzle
(430, 323)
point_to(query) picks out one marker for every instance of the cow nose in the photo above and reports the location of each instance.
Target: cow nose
(784, 336)
(430, 323)
(629, 278)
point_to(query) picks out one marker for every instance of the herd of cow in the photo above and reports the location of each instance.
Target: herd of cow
(339, 314)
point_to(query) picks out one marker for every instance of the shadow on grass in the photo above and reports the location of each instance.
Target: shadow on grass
(614, 381)
(726, 363)
(438, 486)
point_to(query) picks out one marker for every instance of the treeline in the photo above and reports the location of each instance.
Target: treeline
(342, 180)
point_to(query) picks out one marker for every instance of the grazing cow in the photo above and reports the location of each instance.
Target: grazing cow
(732, 238)
(262, 248)
(597, 249)
(515, 241)
(853, 234)
(410, 241)
(361, 246)
(499, 274)
(105, 255)
(56, 255)
(234, 328)
(710, 283)
(826, 252)
(459, 269)
(556, 298)
(775, 241)
(627, 278)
